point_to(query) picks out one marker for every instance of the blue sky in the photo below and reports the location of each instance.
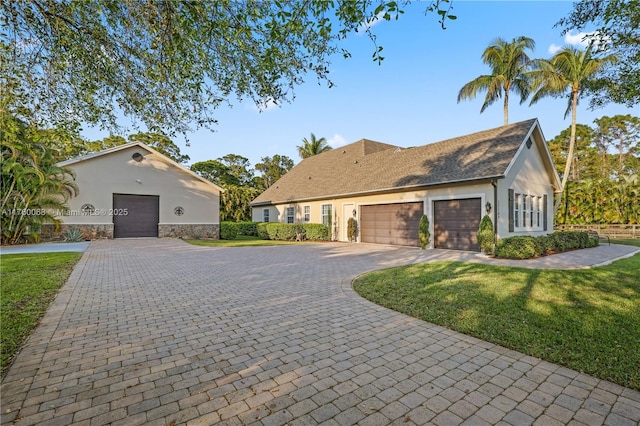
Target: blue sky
(410, 99)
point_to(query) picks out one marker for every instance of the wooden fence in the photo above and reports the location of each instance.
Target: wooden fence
(611, 231)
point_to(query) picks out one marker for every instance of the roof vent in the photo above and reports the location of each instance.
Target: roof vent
(529, 143)
(355, 161)
(137, 157)
(398, 149)
(344, 151)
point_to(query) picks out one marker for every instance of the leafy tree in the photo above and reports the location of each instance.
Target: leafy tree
(234, 203)
(509, 65)
(216, 172)
(34, 188)
(623, 132)
(313, 146)
(567, 71)
(584, 158)
(170, 63)
(272, 169)
(618, 31)
(239, 167)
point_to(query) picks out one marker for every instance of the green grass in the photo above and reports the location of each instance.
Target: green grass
(587, 320)
(627, 241)
(29, 284)
(240, 241)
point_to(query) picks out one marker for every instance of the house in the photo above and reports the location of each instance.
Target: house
(506, 172)
(134, 191)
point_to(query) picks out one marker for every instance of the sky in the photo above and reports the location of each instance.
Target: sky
(409, 100)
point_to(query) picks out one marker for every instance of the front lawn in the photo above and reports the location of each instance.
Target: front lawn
(29, 283)
(587, 320)
(240, 241)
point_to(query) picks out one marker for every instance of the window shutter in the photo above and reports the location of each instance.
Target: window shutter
(544, 215)
(511, 197)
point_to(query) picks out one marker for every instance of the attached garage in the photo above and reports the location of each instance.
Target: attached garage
(391, 223)
(455, 224)
(135, 215)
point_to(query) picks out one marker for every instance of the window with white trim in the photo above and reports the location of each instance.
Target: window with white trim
(307, 213)
(326, 214)
(291, 212)
(265, 215)
(527, 211)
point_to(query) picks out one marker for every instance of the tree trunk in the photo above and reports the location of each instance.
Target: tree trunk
(506, 106)
(572, 142)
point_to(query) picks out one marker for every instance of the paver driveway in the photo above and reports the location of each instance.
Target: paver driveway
(161, 332)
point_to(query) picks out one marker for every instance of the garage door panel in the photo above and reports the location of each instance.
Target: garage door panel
(391, 223)
(456, 224)
(141, 220)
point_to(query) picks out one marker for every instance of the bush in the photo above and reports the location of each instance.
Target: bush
(517, 247)
(352, 229)
(520, 247)
(228, 230)
(247, 228)
(73, 235)
(289, 231)
(423, 232)
(486, 235)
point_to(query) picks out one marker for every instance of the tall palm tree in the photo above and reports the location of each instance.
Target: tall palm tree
(312, 147)
(509, 66)
(567, 71)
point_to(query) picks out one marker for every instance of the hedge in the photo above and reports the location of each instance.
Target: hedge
(228, 230)
(525, 247)
(247, 228)
(289, 231)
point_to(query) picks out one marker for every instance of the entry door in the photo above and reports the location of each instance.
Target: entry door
(137, 215)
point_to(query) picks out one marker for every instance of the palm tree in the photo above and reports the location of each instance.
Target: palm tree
(509, 66)
(312, 147)
(569, 69)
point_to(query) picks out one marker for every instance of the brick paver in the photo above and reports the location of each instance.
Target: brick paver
(153, 331)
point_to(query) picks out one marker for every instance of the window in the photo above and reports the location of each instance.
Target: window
(291, 211)
(265, 215)
(307, 213)
(526, 211)
(326, 215)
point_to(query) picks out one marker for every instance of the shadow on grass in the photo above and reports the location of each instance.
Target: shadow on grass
(584, 319)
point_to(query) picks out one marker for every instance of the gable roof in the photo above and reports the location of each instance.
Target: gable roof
(368, 167)
(164, 158)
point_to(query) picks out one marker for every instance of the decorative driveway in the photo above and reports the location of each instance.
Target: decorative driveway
(153, 331)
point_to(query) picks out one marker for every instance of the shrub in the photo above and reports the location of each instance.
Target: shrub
(247, 228)
(352, 229)
(520, 247)
(289, 231)
(73, 235)
(486, 235)
(423, 232)
(228, 230)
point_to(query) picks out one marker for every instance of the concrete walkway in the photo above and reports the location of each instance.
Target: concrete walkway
(45, 248)
(161, 332)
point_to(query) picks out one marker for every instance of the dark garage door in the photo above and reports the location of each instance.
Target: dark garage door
(391, 223)
(141, 220)
(455, 224)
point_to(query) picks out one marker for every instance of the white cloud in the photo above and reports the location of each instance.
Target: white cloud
(554, 48)
(364, 26)
(580, 39)
(336, 141)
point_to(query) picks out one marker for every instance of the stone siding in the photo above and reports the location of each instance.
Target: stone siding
(89, 232)
(197, 231)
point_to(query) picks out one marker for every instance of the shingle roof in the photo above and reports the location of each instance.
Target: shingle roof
(368, 166)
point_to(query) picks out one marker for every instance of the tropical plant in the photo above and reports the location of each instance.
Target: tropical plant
(34, 188)
(509, 64)
(313, 146)
(73, 235)
(569, 70)
(423, 232)
(486, 235)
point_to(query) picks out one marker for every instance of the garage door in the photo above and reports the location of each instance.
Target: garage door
(455, 224)
(141, 218)
(391, 223)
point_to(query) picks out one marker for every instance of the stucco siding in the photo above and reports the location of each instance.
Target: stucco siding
(526, 176)
(118, 173)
